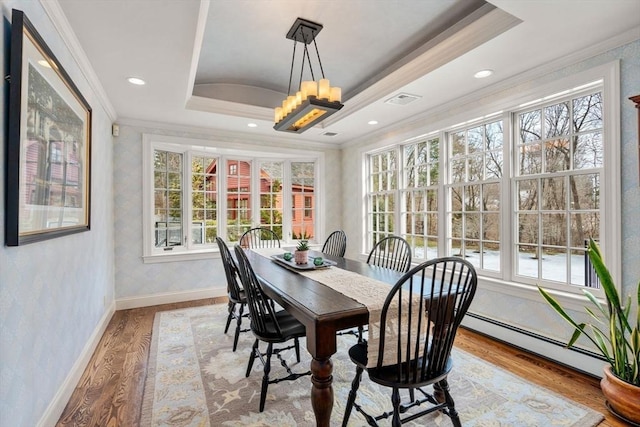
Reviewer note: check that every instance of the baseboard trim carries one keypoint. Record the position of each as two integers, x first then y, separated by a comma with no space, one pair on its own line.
168,298
59,402
578,359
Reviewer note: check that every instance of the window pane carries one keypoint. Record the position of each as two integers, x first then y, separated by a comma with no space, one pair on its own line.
475,171
528,228
554,264
556,120
587,112
589,151
493,136
493,164
528,194
554,229
472,226
585,191
530,159
472,198
458,170
491,256
557,155
271,196
167,213
303,197
491,197
530,126
491,227
584,226
203,199
527,261
553,194
238,198
457,144
475,139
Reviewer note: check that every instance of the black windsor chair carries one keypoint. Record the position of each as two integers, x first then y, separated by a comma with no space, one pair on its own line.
268,325
391,252
443,289
235,293
336,244
259,237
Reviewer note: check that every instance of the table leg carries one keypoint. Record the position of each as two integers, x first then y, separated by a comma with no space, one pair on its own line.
321,390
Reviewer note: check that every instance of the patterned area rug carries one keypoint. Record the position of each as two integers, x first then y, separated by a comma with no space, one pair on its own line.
194,379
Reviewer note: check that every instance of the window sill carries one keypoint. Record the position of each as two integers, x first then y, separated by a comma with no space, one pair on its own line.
181,256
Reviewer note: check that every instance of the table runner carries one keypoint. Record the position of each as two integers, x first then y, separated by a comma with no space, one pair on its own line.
371,293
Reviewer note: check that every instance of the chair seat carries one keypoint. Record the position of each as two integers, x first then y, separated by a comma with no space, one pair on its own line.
388,375
242,297
290,327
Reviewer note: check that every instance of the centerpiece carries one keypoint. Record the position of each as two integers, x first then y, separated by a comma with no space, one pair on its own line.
301,254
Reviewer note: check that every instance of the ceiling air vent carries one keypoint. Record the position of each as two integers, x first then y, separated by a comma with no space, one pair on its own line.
402,99
329,134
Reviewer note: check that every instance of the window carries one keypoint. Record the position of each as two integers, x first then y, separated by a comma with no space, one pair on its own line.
381,196
419,213
560,155
303,184
517,193
190,203
473,214
271,191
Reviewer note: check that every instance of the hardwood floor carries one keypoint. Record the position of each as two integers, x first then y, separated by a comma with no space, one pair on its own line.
110,390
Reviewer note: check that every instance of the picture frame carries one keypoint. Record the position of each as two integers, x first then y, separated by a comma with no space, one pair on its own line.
48,143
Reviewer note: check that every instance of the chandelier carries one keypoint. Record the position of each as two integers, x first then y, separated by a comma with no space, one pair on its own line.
314,100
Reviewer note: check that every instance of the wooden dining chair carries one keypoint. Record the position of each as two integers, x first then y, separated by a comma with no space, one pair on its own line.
259,237
391,252
236,295
336,244
413,351
268,325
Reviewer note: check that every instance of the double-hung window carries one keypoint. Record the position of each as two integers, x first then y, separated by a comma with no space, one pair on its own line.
194,193
560,157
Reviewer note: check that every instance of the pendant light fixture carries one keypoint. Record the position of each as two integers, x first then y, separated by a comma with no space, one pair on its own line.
313,101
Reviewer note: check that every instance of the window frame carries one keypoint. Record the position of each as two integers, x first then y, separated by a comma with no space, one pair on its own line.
243,152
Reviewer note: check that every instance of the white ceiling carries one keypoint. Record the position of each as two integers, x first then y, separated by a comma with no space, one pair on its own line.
221,64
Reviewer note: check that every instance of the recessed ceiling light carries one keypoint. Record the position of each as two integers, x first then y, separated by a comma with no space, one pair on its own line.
252,125
372,122
482,74
136,81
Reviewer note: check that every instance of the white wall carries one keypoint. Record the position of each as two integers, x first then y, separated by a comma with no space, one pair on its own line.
139,284
524,308
55,294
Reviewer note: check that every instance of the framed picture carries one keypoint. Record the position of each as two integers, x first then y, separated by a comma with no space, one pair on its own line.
49,143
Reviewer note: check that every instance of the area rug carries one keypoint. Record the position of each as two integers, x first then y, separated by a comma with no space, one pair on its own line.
195,379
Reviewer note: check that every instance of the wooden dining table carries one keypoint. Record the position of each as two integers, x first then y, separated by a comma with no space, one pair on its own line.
323,311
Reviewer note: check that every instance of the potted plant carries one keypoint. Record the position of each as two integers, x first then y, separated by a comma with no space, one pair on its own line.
615,334
301,254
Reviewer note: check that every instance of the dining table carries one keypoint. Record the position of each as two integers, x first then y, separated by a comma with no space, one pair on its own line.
323,310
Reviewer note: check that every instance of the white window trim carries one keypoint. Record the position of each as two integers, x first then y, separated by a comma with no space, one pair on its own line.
222,150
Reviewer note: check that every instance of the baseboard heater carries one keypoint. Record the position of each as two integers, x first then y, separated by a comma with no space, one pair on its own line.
594,370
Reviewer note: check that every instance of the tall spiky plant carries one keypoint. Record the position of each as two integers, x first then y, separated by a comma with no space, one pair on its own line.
612,331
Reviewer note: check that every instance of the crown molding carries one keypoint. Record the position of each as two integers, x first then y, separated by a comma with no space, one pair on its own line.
189,131
61,24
